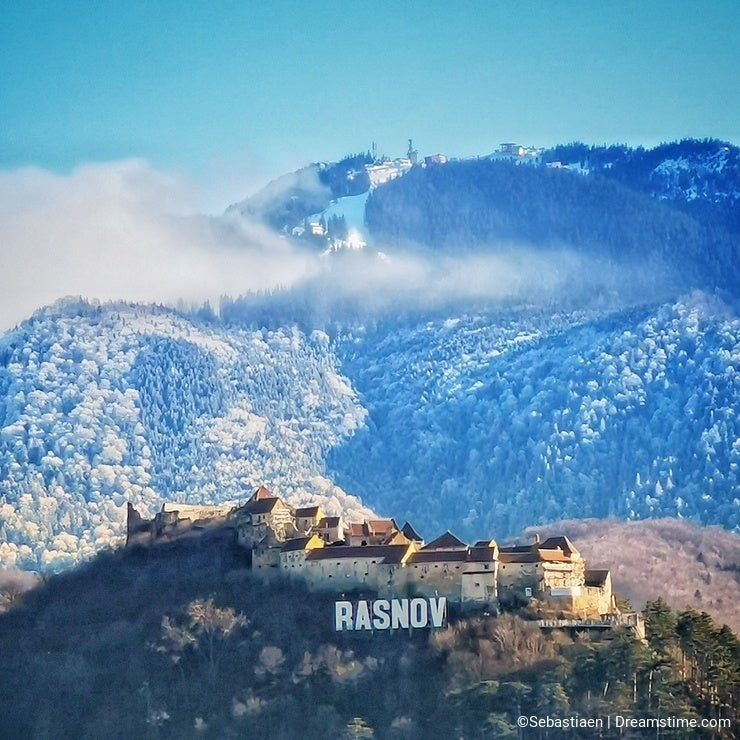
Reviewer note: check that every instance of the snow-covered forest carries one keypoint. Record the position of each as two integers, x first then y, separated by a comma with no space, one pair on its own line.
104,405
554,344
487,425
483,423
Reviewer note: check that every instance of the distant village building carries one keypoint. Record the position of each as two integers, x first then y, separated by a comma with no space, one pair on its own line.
330,529
516,152
307,517
435,159
387,170
412,154
371,532
376,556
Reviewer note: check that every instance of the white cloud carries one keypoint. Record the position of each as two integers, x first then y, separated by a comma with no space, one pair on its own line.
119,231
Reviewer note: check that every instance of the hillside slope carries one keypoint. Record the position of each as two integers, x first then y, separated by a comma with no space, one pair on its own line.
483,423
700,177
104,405
690,567
486,206
486,424
185,643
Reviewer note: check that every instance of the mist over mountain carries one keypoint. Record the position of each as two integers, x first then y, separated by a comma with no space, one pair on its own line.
493,206
516,344
286,201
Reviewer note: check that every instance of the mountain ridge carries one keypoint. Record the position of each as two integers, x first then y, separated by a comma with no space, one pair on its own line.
479,394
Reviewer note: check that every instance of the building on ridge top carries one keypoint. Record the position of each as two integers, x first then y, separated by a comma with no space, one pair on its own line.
375,555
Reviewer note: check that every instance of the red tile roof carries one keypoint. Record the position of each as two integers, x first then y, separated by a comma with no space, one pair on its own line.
380,526
261,493
553,556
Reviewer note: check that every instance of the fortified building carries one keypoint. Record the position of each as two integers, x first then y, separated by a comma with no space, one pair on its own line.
377,556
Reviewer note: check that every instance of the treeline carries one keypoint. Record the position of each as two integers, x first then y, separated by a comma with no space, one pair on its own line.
348,176
699,176
492,205
185,643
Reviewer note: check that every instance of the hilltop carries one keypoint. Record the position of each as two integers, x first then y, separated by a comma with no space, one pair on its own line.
493,206
181,641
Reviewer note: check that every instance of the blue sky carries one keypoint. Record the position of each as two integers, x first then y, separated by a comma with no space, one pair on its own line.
229,94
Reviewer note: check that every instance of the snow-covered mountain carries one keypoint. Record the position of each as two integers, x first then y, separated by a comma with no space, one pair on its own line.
689,170
483,423
104,405
487,424
582,363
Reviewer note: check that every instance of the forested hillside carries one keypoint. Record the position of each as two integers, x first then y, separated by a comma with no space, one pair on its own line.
184,643
493,206
486,424
483,423
700,177
104,405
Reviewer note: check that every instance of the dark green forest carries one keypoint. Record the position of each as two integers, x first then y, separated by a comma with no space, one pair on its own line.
184,642
492,206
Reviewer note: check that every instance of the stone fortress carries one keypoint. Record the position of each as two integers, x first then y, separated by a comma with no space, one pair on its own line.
376,556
